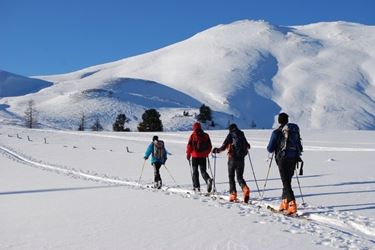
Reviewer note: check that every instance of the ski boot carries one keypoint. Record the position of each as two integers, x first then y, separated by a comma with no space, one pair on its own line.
246,193
233,197
292,207
209,185
283,205
158,184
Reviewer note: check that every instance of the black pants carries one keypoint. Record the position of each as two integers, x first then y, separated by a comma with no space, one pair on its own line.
236,167
157,166
199,162
286,169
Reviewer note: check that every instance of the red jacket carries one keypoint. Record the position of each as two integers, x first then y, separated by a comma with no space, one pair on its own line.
199,139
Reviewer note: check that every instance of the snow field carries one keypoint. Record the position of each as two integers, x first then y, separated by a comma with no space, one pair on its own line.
88,196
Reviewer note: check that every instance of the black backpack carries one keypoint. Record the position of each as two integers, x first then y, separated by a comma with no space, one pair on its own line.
290,139
239,144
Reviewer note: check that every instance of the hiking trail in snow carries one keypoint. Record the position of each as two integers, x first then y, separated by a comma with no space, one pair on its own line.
327,226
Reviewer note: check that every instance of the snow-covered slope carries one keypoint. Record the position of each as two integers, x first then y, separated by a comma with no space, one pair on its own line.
12,85
321,74
79,190
16,85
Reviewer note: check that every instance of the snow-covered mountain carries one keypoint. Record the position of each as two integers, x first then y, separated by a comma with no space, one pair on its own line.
321,74
12,85
16,85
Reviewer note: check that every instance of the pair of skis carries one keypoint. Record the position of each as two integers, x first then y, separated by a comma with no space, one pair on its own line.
224,199
298,214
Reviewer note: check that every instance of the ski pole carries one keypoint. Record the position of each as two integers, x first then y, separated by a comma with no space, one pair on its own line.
213,177
191,170
209,166
171,176
215,170
139,181
268,172
299,186
252,168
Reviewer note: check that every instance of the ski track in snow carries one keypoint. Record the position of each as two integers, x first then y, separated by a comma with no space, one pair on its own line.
328,227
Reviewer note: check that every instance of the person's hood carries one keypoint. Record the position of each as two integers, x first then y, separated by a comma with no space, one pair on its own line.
197,127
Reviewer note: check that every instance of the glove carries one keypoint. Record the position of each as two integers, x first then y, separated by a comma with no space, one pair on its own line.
216,151
145,157
188,157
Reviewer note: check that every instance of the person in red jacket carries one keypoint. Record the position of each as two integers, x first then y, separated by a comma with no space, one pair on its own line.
198,148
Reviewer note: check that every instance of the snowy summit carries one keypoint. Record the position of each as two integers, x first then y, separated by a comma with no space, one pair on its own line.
321,74
64,189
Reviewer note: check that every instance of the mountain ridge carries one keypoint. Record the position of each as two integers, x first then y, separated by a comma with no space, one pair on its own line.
246,71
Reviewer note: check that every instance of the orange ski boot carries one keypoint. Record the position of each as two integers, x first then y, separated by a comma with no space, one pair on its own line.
233,197
283,205
246,193
292,207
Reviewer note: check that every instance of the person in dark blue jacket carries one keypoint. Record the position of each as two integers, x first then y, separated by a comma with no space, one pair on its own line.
158,157
286,157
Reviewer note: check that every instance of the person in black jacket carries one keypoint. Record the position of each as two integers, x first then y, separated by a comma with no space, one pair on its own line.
287,157
237,147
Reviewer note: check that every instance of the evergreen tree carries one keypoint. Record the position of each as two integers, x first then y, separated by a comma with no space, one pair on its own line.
82,124
120,123
151,121
97,126
30,115
204,114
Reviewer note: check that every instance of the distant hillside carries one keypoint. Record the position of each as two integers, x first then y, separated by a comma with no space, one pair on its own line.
247,71
16,85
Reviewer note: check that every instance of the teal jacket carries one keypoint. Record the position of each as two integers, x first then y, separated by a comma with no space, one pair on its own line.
150,150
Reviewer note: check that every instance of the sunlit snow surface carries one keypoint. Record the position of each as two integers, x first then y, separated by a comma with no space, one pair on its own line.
80,190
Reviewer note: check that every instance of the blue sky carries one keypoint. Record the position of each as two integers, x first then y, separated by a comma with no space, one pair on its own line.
42,37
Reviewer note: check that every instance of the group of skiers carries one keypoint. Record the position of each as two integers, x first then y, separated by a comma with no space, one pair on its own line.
285,145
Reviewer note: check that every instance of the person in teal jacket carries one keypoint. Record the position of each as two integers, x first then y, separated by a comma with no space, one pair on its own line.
158,157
